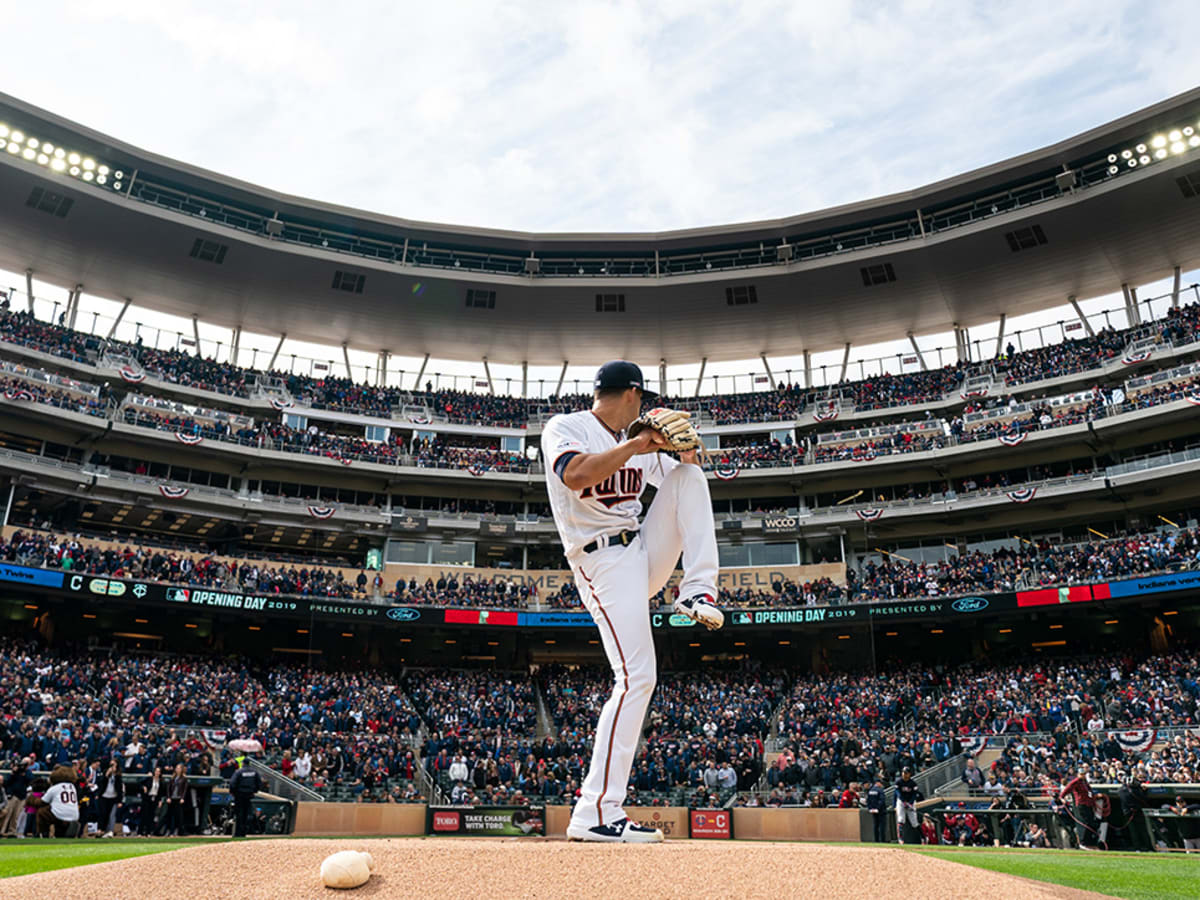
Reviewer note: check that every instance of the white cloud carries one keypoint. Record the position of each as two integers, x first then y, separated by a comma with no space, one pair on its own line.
597,116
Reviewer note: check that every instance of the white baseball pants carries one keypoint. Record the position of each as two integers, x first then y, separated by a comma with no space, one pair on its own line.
615,584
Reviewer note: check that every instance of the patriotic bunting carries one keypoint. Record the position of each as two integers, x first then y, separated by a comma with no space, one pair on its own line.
171,492
346,460
974,392
1132,359
477,471
1195,401
132,375
727,471
1138,741
825,412
281,404
869,515
321,512
1022,495
190,439
420,420
973,744
864,457
1012,440
19,394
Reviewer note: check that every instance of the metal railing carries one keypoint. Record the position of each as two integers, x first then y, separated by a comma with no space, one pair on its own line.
282,786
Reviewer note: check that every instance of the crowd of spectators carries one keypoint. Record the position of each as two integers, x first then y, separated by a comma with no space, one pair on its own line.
482,735
138,562
37,392
905,389
1032,565
351,733
703,738
278,436
887,577
786,401
883,445
1067,358
363,735
759,455
846,730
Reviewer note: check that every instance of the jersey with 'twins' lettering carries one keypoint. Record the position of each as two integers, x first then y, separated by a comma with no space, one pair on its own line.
609,507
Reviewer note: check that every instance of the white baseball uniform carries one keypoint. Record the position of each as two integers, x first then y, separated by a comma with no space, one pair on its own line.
617,581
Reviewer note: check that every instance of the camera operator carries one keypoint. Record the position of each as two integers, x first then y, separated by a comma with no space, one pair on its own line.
16,786
110,793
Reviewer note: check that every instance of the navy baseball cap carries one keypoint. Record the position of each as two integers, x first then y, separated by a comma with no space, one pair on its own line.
622,374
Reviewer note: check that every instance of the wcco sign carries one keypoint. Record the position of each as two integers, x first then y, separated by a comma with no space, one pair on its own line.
781,524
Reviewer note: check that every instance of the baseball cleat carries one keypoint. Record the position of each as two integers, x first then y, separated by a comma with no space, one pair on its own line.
625,831
701,608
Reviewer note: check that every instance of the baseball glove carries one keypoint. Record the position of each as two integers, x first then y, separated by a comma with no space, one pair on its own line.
673,424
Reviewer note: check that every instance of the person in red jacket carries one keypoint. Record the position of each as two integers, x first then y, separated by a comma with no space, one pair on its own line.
849,798
1081,808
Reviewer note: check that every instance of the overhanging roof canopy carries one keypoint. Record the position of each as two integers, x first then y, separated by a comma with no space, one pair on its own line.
915,262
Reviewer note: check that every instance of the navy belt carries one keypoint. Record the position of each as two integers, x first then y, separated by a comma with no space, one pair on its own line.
624,538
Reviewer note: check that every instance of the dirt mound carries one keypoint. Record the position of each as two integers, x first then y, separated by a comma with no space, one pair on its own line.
500,867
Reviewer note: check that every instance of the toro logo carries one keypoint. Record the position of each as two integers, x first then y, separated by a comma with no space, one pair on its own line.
445,821
969,604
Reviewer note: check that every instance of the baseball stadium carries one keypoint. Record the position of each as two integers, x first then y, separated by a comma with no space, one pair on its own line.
316,540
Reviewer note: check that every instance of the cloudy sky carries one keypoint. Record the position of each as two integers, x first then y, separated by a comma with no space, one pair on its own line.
595,116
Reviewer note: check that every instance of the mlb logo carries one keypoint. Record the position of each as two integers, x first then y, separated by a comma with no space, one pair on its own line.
741,618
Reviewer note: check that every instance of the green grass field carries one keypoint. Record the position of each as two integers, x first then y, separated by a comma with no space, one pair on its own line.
1144,876
27,857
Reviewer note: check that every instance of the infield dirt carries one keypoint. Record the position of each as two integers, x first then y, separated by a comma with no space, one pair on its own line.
552,869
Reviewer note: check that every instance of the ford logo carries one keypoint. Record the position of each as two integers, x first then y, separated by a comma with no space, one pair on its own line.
680,621
969,604
403,614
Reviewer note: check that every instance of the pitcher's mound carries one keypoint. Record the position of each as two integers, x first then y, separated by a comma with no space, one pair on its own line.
509,868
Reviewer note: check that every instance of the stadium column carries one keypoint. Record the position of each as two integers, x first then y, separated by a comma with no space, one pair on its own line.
278,347
196,333
845,363
961,343
766,365
1132,316
488,372
235,344
1087,326
700,377
917,350
117,320
421,372
1000,333
346,360
807,370
1175,290
524,379
29,288
561,376
662,377
73,305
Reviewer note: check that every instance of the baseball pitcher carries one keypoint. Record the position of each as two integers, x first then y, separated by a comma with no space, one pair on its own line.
598,463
